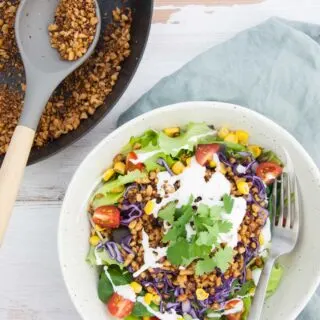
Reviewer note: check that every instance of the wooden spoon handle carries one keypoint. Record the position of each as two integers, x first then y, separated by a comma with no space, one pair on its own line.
11,172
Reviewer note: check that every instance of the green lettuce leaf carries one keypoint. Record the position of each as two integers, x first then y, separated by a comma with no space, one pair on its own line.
275,278
269,156
107,199
247,305
120,181
187,140
139,310
91,258
148,138
105,289
151,163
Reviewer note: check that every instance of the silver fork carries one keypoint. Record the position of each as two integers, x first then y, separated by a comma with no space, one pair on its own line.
285,231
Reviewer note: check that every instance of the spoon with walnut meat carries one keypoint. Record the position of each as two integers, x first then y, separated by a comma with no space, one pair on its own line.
45,69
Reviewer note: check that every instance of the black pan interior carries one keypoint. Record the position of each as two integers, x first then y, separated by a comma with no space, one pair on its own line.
142,15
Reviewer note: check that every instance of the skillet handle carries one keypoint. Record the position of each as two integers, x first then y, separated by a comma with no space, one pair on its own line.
11,172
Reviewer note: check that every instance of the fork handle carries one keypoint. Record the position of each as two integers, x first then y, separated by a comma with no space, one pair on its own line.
260,293
11,172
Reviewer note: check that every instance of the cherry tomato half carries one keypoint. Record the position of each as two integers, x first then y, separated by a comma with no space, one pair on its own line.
205,152
268,171
230,305
119,307
107,217
131,164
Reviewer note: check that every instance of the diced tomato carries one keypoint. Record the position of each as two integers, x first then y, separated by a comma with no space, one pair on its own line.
107,217
205,152
234,316
120,307
131,166
268,171
230,305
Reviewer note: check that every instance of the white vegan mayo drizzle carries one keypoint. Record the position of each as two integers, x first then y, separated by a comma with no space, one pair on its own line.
151,255
192,182
124,291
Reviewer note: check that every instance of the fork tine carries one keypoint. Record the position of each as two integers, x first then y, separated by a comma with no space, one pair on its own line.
274,202
296,205
281,202
289,214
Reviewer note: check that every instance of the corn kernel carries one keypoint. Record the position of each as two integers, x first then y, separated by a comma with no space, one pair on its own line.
223,132
223,169
172,132
98,228
231,137
255,150
201,294
149,207
118,189
136,286
243,187
94,240
156,299
119,167
243,136
108,174
146,318
212,164
148,298
188,161
178,167
261,239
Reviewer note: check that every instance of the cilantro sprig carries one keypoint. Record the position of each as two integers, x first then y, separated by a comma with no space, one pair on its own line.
208,223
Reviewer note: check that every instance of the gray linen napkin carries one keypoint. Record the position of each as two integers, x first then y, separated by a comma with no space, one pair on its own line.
273,68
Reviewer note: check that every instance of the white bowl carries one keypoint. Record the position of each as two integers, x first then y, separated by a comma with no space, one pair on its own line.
302,267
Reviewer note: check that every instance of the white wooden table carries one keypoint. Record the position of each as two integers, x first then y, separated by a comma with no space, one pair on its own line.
31,285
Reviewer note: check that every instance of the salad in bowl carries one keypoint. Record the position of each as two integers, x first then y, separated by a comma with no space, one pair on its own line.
180,224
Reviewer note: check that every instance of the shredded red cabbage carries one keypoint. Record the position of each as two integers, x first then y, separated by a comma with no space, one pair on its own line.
113,251
129,212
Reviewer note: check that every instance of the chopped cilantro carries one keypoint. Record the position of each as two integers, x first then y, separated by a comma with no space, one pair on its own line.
167,213
228,203
178,251
178,228
221,260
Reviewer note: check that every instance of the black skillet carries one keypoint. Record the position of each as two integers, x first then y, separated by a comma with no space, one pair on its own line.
142,16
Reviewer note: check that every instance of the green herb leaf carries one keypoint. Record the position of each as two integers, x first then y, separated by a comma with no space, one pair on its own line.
228,203
167,213
187,140
224,226
203,210
139,310
178,228
120,181
177,251
205,266
223,258
215,212
105,289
